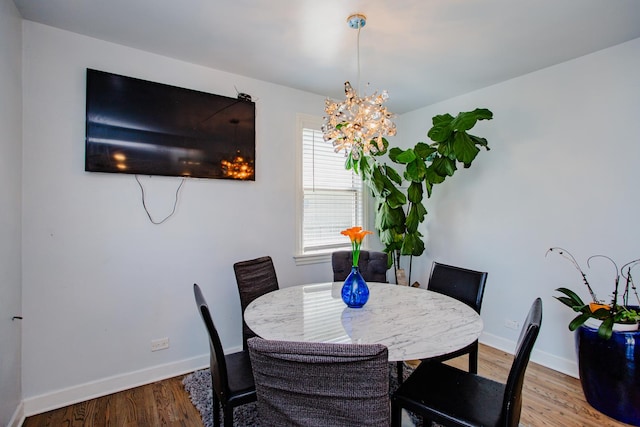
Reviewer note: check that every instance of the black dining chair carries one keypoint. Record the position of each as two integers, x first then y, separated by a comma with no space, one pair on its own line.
372,265
231,375
321,384
254,278
466,286
453,397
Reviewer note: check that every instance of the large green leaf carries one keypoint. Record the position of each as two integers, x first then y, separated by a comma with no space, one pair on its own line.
396,198
464,148
416,170
415,217
382,220
444,166
464,121
601,313
386,237
480,141
377,182
441,128
407,156
349,162
483,114
442,119
413,220
569,303
429,186
394,153
414,192
393,175
606,328
579,320
412,245
423,150
575,299
391,240
366,167
389,217
445,148
433,177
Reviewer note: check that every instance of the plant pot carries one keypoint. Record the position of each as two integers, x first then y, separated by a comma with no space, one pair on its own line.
609,372
620,327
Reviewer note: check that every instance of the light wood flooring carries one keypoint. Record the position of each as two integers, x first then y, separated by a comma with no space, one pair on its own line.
549,399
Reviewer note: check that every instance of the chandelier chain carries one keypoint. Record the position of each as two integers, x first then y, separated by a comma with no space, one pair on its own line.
358,55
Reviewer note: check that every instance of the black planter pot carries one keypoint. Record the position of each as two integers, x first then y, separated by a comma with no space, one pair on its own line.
610,372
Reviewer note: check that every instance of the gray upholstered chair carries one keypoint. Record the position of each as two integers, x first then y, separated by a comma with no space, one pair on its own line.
320,384
255,277
373,265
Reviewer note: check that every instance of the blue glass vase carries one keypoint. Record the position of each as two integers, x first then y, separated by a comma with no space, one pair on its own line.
355,292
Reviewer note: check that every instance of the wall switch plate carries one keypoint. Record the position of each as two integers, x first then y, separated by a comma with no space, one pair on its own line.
511,324
159,344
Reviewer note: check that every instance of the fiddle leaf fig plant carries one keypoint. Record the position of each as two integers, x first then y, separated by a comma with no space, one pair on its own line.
399,213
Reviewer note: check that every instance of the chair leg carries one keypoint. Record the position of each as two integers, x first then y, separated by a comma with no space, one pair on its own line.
473,359
216,411
396,415
228,416
400,366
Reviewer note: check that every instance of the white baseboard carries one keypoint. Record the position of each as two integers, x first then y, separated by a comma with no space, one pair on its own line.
18,417
91,390
102,387
566,366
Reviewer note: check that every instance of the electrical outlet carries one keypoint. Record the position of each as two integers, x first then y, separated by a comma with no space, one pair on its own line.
511,324
159,344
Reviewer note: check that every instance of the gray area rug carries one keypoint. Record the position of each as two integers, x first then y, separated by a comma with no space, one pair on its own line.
198,385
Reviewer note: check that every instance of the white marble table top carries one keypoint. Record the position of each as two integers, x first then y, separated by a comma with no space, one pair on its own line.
413,323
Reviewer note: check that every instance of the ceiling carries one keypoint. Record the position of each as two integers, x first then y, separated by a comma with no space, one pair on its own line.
421,51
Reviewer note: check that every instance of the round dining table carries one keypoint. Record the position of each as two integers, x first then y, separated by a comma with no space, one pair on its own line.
413,323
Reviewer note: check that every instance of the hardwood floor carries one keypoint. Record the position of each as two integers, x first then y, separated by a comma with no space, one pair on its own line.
164,403
549,399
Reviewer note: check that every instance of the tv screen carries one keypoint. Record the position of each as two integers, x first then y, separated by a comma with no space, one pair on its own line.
140,127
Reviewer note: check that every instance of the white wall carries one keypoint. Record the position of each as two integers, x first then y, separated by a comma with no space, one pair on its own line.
99,280
10,195
562,171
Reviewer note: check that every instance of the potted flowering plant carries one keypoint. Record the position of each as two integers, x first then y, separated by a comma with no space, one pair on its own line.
607,357
617,311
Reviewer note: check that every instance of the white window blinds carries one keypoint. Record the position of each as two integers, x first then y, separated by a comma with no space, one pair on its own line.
332,195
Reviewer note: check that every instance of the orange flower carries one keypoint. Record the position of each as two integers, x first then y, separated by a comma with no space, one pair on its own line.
356,235
593,306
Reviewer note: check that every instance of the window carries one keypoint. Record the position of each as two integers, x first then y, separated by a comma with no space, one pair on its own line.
331,197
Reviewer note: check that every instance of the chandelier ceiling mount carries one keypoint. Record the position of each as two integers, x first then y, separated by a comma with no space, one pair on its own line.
357,20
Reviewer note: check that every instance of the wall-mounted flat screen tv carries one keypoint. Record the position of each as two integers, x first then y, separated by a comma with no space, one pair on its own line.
140,127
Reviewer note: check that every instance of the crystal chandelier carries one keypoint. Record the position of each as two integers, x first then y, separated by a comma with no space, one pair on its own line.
357,125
